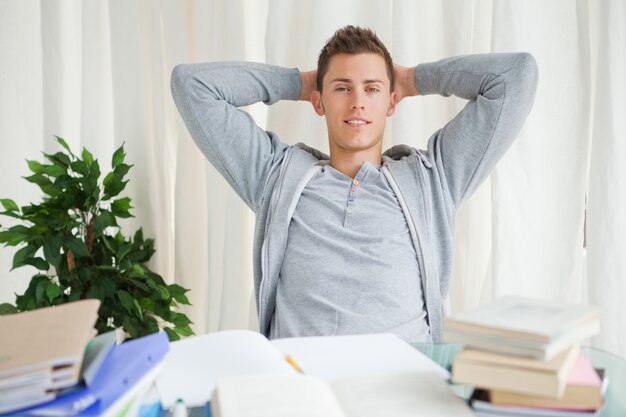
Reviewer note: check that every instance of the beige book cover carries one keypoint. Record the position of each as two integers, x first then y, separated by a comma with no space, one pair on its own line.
46,339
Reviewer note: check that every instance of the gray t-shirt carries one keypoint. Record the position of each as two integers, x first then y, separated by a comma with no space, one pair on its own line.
350,266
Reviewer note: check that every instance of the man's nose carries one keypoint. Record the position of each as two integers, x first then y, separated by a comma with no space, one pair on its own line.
358,100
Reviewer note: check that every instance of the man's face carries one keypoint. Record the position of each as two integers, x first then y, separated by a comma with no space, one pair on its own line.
356,101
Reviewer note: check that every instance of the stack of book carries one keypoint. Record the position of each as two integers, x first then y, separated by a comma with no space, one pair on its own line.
42,351
524,359
52,365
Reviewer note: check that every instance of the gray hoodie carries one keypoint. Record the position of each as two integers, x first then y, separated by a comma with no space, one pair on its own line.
429,184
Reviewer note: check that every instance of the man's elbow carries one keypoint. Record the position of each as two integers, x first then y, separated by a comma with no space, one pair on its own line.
527,68
180,75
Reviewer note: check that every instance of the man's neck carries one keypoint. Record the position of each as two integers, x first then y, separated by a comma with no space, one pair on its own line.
350,162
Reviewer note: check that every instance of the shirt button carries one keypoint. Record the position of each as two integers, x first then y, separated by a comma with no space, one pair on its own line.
348,210
355,182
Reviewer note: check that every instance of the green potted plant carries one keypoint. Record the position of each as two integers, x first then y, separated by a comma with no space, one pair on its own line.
72,237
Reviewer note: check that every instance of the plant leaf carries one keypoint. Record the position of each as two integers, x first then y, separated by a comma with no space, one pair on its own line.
38,263
35,166
138,309
12,239
40,290
87,157
137,271
122,170
74,295
184,331
22,255
104,220
120,207
122,203
52,251
79,167
59,159
9,204
163,292
123,251
173,336
118,157
6,308
54,170
138,236
38,179
178,293
180,320
96,291
107,268
113,185
13,214
51,170
64,144
52,291
77,246
108,285
126,299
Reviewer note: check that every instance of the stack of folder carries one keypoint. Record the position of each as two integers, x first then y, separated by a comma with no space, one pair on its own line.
53,365
524,358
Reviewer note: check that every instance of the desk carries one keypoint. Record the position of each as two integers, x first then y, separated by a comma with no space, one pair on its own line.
615,369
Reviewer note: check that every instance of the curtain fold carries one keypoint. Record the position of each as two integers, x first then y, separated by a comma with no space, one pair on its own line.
21,121
538,188
606,208
97,73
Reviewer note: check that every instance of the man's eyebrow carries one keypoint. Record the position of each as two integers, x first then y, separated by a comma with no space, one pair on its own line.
349,81
341,80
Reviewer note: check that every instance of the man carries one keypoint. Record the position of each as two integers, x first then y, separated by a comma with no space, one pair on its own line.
358,241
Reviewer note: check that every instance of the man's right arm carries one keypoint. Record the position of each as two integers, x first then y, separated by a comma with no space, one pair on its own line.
208,95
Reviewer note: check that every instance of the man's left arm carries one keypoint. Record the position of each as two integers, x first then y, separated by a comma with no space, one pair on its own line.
500,88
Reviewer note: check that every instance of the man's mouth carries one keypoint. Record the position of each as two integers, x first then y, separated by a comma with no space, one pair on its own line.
356,122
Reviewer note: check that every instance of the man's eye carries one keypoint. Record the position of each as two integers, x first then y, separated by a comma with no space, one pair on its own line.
341,89
373,90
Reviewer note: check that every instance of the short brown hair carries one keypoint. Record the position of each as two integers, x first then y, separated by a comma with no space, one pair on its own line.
352,40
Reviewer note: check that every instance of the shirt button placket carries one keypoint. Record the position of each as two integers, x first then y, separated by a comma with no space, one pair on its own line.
351,198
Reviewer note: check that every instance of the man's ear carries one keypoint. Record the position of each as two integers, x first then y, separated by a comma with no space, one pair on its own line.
316,101
392,103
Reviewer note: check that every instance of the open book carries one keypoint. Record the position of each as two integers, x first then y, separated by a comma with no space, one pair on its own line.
388,394
195,365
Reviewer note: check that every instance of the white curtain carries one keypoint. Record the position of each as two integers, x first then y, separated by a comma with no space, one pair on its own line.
97,73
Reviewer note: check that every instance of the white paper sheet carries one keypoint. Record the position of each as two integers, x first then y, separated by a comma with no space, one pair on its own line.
333,357
193,366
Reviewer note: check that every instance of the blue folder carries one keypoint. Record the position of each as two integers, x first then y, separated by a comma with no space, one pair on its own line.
125,365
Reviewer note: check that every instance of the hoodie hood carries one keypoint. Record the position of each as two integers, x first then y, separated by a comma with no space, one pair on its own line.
398,152
395,153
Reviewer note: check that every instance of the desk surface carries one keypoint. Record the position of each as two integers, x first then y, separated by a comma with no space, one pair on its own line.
614,366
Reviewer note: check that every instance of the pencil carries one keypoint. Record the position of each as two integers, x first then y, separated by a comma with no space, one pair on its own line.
293,363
